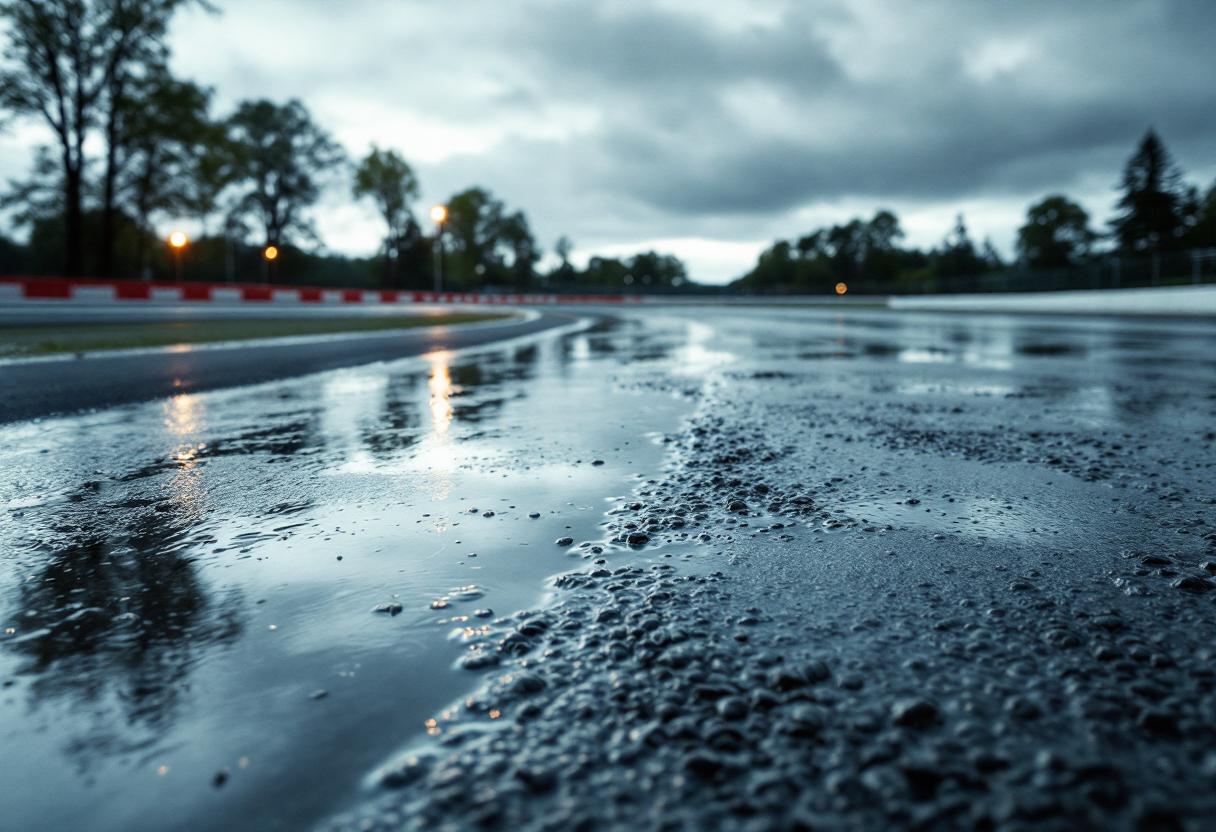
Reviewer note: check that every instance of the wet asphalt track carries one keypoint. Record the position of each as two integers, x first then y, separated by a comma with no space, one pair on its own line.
817,571
64,384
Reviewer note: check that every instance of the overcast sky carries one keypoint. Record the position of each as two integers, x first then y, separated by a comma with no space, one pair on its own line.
707,128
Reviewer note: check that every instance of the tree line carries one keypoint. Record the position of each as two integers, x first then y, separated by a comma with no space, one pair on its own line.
1158,213
134,146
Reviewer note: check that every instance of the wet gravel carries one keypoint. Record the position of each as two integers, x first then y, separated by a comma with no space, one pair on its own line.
987,608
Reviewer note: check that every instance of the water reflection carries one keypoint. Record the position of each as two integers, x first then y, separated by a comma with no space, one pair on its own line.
627,340
290,437
441,389
396,411
115,619
400,421
122,602
184,415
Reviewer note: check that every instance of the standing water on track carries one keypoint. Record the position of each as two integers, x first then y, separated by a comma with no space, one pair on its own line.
221,610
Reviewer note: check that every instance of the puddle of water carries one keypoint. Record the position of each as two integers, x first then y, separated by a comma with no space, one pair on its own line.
188,595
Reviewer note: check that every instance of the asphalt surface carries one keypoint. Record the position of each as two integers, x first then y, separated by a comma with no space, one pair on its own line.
31,389
54,313
675,569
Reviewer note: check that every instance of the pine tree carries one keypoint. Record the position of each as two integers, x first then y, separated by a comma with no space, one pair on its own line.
1156,207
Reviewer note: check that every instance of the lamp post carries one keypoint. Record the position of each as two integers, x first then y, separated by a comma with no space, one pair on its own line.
178,241
269,255
439,215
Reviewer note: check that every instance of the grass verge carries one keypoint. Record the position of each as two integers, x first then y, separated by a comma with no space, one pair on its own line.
18,341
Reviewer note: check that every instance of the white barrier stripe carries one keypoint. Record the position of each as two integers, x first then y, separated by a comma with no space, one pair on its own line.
51,289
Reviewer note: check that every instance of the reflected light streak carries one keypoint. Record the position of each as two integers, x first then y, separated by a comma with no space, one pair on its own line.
695,357
184,419
183,414
441,393
441,454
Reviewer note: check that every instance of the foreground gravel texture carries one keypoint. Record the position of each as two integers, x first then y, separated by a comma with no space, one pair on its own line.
946,586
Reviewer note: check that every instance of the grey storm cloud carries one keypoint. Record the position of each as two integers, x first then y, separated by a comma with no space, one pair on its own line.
1093,79
622,121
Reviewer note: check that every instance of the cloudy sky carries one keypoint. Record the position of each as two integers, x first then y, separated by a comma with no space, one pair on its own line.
707,129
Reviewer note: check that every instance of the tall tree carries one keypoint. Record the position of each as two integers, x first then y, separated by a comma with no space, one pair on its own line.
1156,207
524,251
1203,233
389,181
489,245
280,155
169,147
69,62
40,198
883,258
653,269
957,256
134,51
1056,234
562,248
56,72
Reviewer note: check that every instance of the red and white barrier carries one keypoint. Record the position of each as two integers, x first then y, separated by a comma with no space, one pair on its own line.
99,291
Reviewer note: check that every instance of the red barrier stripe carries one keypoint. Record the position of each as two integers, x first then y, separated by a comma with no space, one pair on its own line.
130,290
54,288
47,289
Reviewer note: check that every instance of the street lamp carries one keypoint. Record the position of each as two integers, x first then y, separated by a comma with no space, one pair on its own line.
269,255
178,241
439,215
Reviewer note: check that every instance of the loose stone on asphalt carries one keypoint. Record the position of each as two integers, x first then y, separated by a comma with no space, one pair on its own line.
1039,655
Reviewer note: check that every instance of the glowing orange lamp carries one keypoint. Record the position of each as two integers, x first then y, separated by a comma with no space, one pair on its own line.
178,241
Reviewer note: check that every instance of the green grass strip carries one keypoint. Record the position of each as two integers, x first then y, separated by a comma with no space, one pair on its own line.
17,341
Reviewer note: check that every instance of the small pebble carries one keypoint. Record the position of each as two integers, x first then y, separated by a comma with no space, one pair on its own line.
913,713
